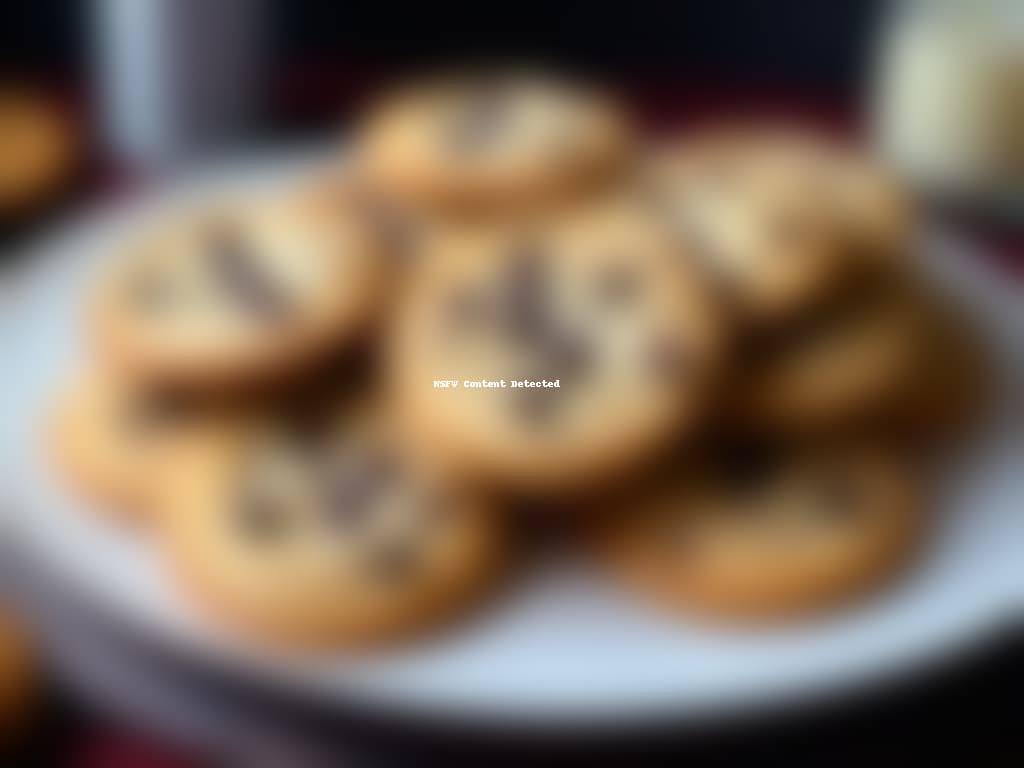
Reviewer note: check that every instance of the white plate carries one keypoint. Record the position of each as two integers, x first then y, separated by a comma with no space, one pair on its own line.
561,645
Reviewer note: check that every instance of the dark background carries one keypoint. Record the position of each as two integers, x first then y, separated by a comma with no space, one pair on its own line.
799,45
809,41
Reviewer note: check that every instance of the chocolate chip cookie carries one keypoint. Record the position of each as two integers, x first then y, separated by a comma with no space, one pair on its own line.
777,218
108,439
543,357
493,139
760,532
846,361
950,388
246,291
316,528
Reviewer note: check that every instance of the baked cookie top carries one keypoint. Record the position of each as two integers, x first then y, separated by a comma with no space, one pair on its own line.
494,139
593,305
754,531
315,527
241,291
776,217
109,438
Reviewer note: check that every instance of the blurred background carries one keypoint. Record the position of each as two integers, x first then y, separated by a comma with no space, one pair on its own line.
142,87
100,99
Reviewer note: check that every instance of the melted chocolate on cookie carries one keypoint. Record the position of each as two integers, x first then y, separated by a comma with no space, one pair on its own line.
479,119
238,276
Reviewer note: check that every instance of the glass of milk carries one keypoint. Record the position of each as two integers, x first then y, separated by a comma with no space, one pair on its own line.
177,80
948,94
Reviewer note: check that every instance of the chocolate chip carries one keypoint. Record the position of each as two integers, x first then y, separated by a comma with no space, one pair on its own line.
307,428
149,413
394,561
351,488
617,286
346,505
677,542
259,518
840,498
569,355
463,308
392,228
746,466
525,315
817,328
238,275
434,508
666,358
479,118
535,407
524,300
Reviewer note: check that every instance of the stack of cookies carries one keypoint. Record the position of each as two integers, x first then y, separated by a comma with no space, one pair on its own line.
711,354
